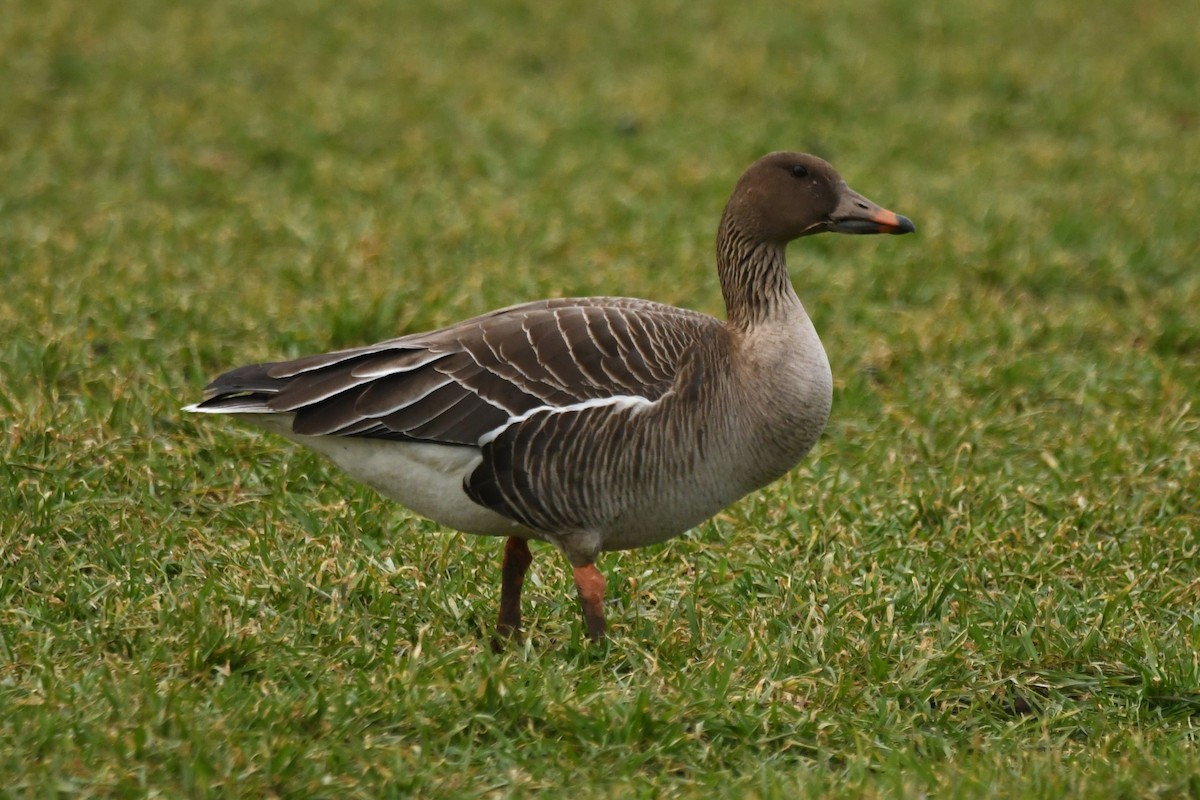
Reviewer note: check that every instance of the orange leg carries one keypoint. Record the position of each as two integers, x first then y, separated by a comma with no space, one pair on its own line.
590,584
516,562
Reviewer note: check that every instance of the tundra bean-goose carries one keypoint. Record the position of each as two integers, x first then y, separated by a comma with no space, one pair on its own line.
594,424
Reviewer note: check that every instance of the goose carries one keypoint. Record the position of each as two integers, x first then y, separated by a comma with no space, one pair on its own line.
596,423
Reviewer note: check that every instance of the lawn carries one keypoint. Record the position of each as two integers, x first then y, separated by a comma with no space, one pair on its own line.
984,582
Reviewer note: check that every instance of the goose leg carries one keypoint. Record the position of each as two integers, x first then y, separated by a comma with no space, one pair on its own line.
590,584
516,562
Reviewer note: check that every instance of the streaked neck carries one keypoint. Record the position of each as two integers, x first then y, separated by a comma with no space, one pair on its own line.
754,278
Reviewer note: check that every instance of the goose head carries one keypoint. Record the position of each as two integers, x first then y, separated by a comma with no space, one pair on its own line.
784,196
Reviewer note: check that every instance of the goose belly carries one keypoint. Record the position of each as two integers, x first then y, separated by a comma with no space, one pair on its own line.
680,499
424,477
698,475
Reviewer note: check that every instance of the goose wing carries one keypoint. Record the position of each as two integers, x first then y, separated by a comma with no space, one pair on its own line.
467,382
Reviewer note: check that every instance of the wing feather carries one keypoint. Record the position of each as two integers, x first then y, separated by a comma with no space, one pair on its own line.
457,384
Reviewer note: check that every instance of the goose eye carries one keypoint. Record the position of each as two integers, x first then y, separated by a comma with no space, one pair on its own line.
798,171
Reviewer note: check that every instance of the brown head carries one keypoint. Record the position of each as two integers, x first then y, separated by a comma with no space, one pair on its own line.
784,196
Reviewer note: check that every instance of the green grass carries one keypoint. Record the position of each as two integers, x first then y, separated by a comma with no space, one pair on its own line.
985,582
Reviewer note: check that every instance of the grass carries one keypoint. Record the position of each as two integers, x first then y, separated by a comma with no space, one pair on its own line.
985,582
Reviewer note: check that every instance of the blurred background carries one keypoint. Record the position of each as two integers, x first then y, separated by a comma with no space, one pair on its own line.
185,187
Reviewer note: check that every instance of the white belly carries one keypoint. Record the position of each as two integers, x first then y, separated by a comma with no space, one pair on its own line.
427,478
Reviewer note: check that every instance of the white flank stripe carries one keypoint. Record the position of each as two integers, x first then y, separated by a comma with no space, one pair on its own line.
620,401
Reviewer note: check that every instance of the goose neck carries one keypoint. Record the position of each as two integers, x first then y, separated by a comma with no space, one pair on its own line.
754,278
